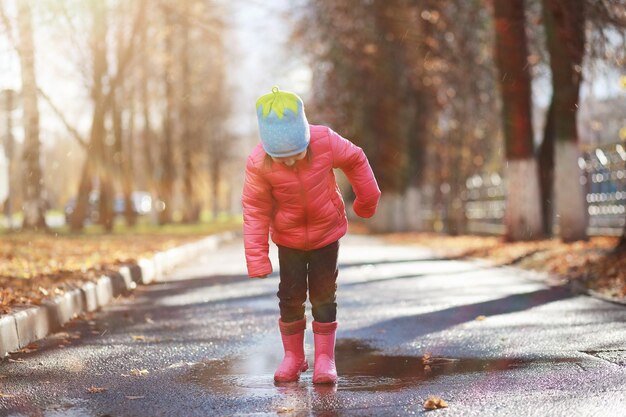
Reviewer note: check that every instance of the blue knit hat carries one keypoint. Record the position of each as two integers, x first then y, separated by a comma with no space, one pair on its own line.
283,126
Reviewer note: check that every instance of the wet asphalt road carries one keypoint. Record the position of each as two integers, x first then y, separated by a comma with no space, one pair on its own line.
206,344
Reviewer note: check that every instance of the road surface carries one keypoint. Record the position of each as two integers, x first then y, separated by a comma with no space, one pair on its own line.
497,341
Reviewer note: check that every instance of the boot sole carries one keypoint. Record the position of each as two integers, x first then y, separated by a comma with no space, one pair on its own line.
325,379
295,378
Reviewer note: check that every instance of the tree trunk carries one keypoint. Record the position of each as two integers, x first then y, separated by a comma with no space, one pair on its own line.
106,214
147,136
81,205
523,213
564,22
546,172
130,214
122,156
108,168
191,213
216,169
167,160
123,98
34,205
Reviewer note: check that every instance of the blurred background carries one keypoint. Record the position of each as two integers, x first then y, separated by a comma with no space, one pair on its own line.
503,117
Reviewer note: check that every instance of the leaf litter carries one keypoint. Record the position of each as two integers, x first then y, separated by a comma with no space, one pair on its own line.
35,267
596,263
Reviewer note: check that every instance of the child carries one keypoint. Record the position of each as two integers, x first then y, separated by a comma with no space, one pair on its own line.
290,191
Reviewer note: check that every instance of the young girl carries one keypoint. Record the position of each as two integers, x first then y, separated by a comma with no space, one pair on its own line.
290,191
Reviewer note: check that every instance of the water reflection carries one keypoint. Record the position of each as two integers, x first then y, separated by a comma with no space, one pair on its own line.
360,368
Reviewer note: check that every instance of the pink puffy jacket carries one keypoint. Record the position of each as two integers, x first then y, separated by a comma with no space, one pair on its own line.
301,205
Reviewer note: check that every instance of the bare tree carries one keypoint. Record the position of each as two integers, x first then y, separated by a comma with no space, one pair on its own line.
565,31
34,205
166,169
191,209
523,214
97,162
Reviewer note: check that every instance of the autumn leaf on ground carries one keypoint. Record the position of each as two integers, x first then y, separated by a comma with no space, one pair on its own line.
139,372
426,359
432,403
135,397
6,395
30,348
34,267
281,410
593,263
95,390
480,318
139,338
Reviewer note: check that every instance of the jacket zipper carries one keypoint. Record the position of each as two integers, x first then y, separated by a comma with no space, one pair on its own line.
306,205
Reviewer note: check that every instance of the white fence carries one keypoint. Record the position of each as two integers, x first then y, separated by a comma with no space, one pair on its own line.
603,176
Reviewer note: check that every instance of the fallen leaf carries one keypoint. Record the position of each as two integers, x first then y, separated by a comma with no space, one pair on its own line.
281,410
426,358
6,395
138,338
135,397
433,403
139,372
480,318
26,350
95,390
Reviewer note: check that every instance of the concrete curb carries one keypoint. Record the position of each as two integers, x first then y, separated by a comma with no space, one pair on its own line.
28,324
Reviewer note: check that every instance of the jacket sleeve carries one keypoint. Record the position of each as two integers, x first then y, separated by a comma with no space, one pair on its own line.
352,161
257,212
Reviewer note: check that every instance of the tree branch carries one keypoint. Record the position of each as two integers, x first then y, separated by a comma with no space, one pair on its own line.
125,57
9,28
82,142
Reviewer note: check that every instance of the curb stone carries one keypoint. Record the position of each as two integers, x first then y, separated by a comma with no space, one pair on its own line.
28,324
8,333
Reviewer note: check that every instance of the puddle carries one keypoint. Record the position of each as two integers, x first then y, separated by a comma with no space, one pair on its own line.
360,368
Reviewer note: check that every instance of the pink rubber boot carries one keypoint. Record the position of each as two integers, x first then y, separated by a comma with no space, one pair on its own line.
294,361
324,371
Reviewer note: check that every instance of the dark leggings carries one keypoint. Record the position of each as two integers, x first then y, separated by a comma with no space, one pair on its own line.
320,267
